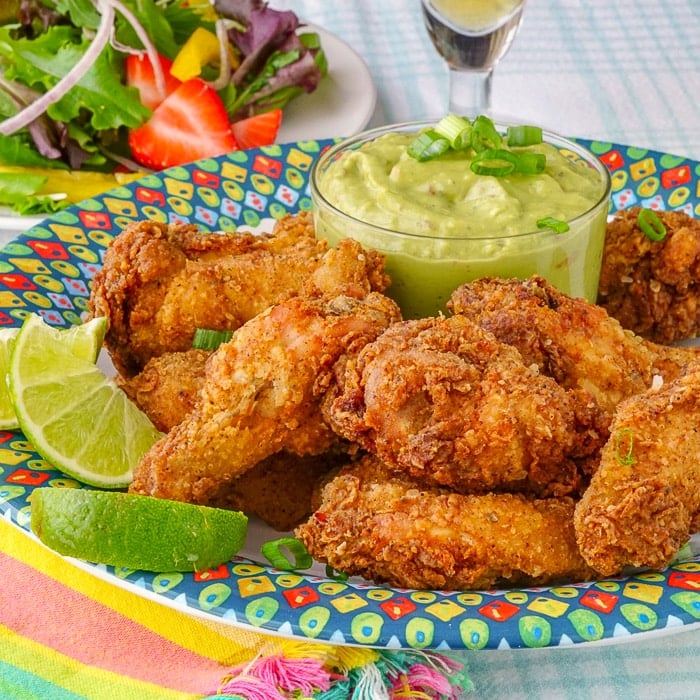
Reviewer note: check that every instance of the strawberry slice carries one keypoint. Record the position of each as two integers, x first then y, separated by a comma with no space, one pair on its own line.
258,130
140,74
191,123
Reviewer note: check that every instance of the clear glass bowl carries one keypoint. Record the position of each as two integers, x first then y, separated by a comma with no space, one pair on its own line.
426,268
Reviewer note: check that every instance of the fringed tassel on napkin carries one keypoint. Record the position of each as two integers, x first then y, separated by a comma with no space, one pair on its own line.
342,673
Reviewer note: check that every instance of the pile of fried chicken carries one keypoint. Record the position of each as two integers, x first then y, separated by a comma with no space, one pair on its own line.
524,438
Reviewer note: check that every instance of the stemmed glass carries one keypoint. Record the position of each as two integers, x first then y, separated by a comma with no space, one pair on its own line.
472,36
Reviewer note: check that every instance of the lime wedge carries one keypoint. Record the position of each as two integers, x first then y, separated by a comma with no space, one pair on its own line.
134,531
77,419
84,341
8,420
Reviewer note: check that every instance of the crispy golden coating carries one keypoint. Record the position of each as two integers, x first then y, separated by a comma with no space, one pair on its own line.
261,393
444,400
280,489
653,287
383,526
159,283
577,343
644,501
167,388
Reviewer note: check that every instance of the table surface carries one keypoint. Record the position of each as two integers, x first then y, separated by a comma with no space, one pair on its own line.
628,72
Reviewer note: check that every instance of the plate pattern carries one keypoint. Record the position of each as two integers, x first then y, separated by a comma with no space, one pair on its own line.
48,270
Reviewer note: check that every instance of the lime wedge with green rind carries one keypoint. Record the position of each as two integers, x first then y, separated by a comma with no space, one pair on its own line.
84,341
8,419
134,531
75,416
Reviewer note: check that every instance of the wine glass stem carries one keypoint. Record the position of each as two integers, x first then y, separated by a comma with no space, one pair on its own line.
470,92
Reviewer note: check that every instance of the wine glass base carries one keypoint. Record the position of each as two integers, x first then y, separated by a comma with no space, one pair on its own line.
470,92
472,41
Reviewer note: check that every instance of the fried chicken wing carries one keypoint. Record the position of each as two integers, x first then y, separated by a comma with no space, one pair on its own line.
653,287
277,490
280,489
159,283
167,388
578,344
643,502
261,393
444,400
375,523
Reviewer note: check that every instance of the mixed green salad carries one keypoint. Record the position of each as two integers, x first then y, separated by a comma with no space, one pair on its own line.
93,92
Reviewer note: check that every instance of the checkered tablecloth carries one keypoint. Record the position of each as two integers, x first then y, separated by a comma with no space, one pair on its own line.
628,72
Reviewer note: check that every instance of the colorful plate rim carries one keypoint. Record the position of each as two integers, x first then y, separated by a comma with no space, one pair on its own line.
48,270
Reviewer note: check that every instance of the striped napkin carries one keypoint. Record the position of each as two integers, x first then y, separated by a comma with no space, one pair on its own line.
67,634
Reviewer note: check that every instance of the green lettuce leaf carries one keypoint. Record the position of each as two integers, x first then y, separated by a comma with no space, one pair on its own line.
82,13
19,150
40,63
19,193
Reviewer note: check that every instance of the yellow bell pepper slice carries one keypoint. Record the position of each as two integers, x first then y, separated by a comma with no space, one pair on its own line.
75,185
201,48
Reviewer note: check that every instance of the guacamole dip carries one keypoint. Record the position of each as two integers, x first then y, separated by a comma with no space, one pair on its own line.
441,225
381,184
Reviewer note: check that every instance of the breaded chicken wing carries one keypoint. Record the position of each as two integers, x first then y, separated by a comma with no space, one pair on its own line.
159,283
375,523
261,394
280,489
643,503
167,388
445,401
653,287
577,343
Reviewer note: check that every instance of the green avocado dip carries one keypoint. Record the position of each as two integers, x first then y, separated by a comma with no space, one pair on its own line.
440,224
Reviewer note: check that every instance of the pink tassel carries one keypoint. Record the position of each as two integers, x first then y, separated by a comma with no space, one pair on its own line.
306,675
249,688
266,678
423,682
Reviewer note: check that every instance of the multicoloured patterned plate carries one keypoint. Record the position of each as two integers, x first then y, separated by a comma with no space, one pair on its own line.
48,271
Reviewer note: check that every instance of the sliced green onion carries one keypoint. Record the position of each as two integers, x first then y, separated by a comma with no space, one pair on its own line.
428,145
651,225
685,552
556,225
624,444
210,339
484,134
491,155
494,161
335,575
457,130
530,163
524,135
272,551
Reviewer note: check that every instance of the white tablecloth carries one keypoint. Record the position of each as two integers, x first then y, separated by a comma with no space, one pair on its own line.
626,71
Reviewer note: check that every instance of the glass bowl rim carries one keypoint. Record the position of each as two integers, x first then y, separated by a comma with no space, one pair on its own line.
561,142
